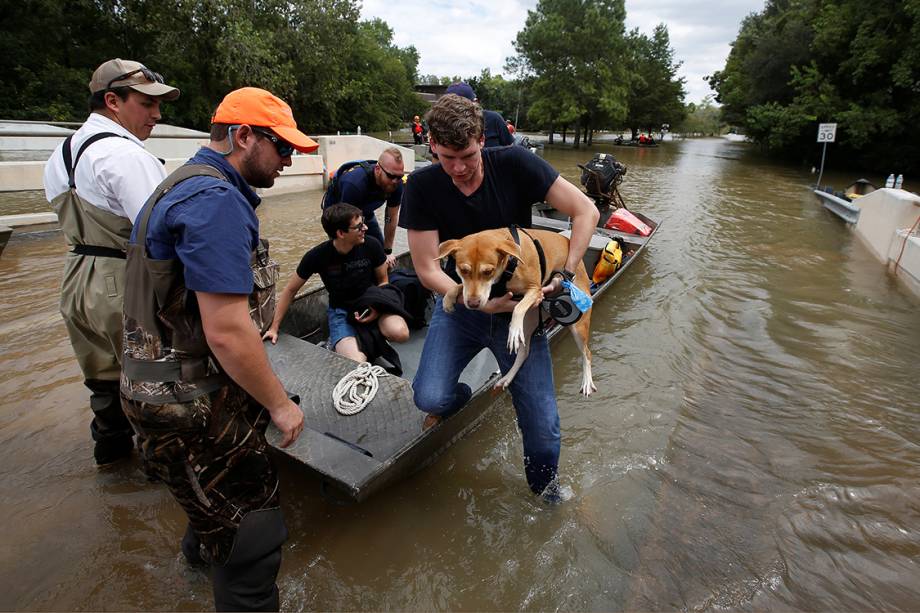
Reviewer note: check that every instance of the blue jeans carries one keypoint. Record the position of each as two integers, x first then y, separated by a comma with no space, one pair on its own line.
453,340
339,327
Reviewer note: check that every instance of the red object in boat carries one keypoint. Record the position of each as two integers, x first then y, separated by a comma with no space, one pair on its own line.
624,221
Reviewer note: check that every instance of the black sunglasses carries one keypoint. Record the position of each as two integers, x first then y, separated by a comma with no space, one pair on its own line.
390,175
284,148
153,77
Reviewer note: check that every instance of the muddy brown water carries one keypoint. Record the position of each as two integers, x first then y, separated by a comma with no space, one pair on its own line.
753,444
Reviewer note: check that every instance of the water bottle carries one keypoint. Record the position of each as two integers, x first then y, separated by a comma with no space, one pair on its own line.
889,182
899,182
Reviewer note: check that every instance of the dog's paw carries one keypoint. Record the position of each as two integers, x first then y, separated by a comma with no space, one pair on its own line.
450,299
502,384
587,386
515,339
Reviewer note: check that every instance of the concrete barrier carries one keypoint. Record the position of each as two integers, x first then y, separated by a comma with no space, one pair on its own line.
885,220
307,172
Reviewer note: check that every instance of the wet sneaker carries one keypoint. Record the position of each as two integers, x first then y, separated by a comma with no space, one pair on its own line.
111,450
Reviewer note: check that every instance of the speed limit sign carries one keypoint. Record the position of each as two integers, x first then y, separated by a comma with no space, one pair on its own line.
827,132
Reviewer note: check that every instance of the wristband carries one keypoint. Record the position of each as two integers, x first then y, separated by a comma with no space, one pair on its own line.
388,251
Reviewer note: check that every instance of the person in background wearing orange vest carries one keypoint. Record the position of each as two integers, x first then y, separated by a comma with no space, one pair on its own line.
510,126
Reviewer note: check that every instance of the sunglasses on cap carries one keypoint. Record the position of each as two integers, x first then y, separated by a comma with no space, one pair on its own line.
391,176
153,77
284,148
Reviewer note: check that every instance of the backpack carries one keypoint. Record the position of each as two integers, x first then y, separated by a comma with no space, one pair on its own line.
333,192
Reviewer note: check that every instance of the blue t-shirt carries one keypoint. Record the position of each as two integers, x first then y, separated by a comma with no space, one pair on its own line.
496,130
210,226
358,187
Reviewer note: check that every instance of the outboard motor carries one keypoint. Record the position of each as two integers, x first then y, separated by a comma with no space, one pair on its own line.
600,177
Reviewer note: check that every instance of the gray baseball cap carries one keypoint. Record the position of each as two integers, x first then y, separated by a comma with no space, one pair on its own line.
127,73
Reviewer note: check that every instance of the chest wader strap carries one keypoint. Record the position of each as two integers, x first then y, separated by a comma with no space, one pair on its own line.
70,165
99,252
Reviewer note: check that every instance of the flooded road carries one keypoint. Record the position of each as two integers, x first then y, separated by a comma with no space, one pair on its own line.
753,444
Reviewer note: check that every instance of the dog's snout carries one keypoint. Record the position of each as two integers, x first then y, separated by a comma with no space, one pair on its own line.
473,303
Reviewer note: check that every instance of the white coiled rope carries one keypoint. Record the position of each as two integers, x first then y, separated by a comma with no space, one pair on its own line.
355,390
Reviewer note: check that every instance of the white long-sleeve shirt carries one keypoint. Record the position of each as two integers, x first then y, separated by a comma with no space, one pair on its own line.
114,174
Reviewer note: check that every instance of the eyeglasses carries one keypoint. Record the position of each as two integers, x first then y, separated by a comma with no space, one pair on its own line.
284,148
153,77
357,227
391,176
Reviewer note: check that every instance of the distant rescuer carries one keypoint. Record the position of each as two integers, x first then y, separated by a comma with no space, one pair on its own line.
469,190
197,384
370,190
97,181
495,128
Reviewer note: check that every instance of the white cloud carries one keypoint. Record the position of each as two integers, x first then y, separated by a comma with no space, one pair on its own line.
463,38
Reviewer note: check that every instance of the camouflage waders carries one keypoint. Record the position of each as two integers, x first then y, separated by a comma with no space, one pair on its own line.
205,436
92,291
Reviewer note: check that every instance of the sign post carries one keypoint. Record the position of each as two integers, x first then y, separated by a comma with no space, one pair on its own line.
826,134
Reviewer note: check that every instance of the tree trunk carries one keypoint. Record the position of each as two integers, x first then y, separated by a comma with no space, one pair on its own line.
577,131
552,132
564,130
635,133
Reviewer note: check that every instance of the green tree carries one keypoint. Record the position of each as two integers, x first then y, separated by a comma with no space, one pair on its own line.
857,64
336,71
656,93
572,49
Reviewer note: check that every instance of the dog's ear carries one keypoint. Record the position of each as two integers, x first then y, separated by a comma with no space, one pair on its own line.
446,248
509,248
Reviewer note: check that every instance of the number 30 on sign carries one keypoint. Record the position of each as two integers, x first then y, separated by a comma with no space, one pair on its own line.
827,132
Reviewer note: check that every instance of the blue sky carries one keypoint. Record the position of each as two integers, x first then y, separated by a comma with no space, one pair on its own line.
462,38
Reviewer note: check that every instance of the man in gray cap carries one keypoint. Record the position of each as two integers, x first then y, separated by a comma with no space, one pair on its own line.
97,181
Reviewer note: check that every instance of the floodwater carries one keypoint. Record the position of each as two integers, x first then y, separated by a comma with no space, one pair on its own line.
753,444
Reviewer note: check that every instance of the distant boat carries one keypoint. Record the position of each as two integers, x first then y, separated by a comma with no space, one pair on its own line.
845,204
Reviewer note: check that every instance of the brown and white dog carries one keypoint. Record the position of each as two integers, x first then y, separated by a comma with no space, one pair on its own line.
481,259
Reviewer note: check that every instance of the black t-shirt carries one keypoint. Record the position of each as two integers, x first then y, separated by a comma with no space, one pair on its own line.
496,130
346,276
514,180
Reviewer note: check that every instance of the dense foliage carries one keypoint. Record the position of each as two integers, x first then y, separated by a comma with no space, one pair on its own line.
656,93
804,62
584,70
336,71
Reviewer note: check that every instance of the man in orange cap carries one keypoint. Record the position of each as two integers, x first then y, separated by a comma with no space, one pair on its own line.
196,382
97,180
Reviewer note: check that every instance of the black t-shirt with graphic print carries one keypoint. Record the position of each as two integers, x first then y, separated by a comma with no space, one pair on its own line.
346,276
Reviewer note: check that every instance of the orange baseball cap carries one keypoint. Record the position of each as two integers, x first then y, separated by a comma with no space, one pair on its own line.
258,107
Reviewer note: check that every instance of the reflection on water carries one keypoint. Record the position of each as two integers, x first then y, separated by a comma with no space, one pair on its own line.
752,445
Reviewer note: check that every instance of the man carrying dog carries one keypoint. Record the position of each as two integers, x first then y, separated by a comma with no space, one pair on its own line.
370,189
469,190
97,181
196,381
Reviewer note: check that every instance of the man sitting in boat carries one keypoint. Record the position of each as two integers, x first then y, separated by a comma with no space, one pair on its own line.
349,263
